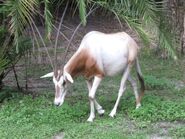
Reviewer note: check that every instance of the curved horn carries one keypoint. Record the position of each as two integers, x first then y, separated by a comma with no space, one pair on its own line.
58,32
48,75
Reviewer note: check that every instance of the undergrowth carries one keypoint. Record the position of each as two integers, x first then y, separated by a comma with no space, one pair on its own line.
22,116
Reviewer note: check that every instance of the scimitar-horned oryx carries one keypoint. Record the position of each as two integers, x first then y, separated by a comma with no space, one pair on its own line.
100,55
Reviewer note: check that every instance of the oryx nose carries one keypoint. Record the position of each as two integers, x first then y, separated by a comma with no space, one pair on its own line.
57,103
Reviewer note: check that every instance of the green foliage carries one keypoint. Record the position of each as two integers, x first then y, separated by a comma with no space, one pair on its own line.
157,109
157,83
39,113
25,117
142,14
8,55
20,114
3,60
137,14
20,13
178,132
7,93
48,18
82,11
166,38
13,43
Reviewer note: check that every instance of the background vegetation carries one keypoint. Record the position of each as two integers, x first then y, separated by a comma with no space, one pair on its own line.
158,24
20,18
162,113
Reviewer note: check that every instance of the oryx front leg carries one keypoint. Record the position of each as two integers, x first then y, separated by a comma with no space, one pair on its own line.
134,86
98,107
92,92
121,90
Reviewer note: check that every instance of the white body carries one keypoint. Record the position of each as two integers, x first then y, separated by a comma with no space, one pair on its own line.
111,51
101,55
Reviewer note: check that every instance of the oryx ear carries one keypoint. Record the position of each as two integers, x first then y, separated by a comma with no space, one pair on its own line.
68,77
48,75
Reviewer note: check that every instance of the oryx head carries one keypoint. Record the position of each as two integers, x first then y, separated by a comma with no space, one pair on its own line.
61,82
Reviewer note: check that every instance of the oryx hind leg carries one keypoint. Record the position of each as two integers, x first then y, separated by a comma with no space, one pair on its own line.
121,89
134,86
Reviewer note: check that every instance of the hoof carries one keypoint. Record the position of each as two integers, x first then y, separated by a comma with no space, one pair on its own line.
138,106
90,119
112,115
101,112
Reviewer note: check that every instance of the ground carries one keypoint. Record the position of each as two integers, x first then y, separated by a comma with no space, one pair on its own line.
33,115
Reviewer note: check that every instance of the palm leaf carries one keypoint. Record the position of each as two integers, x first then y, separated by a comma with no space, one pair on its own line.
82,11
20,13
139,14
48,19
167,39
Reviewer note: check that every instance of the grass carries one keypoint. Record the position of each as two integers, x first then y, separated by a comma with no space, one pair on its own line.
162,113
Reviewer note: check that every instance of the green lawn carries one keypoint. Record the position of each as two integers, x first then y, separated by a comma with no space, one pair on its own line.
162,113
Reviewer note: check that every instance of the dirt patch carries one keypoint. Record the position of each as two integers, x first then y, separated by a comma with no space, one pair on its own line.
59,136
163,129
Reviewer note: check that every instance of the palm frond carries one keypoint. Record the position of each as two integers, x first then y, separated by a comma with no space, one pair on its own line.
139,14
138,28
48,19
82,11
20,13
167,39
8,55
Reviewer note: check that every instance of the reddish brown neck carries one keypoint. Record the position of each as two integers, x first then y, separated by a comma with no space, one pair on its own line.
82,63
76,65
